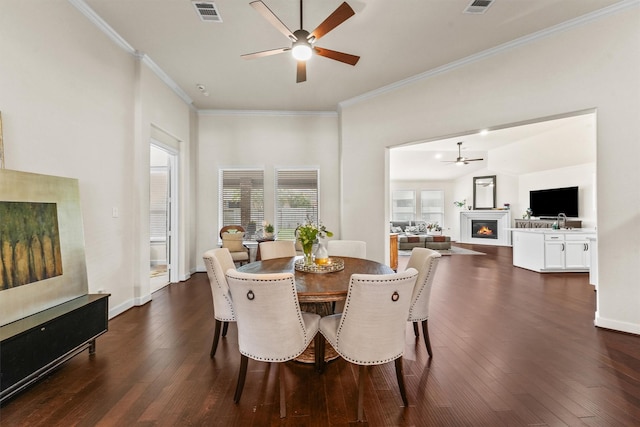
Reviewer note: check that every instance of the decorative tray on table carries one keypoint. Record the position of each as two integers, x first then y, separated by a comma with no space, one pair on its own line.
334,264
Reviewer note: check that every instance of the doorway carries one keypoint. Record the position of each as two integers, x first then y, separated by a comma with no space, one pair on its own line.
162,215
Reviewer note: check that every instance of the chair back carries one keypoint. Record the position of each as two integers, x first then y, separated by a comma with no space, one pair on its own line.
277,249
349,248
426,262
218,261
270,324
372,326
226,228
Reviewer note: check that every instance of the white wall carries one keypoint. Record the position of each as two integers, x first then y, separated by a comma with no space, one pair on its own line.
76,105
595,65
268,141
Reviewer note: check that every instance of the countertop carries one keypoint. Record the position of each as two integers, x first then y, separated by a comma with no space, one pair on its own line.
552,231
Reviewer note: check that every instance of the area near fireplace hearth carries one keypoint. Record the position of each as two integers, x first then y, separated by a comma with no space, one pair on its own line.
486,227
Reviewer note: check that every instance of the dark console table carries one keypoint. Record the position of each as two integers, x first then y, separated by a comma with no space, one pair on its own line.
33,346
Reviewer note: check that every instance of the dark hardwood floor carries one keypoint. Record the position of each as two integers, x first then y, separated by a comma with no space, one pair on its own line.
511,348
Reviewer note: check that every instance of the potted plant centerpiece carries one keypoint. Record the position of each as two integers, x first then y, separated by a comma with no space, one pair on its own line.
308,234
434,228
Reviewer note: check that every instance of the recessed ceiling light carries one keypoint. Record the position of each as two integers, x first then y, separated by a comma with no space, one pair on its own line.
484,132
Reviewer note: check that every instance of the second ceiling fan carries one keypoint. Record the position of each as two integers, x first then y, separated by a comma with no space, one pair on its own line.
302,46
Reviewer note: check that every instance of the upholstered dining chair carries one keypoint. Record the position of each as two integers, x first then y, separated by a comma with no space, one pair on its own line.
426,262
371,330
218,261
232,238
271,327
350,248
277,249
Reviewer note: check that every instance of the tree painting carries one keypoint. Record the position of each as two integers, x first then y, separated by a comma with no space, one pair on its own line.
29,243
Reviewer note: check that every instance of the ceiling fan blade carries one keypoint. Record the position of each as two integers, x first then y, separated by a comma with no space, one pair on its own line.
341,14
265,53
338,56
301,72
272,18
472,160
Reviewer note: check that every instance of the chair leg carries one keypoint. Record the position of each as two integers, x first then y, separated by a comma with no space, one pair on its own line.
225,328
362,379
216,338
242,374
400,376
283,404
415,329
425,332
319,352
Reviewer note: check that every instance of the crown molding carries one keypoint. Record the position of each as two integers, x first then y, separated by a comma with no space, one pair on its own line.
531,38
266,113
103,26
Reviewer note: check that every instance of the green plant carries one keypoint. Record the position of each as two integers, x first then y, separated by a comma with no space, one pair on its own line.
460,204
309,232
434,226
268,228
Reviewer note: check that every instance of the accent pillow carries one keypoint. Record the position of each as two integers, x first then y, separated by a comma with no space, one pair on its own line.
422,227
396,229
233,241
411,229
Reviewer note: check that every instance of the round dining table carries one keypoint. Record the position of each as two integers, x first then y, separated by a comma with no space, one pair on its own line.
317,291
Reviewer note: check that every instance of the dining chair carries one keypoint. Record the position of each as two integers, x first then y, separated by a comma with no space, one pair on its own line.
271,326
277,249
350,248
426,262
218,261
232,238
371,330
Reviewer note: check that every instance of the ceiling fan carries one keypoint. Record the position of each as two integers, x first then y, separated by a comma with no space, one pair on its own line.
302,46
461,160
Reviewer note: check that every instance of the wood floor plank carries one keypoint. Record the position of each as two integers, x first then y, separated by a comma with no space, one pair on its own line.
511,348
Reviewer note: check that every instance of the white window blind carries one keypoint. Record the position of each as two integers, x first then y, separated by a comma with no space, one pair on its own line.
242,199
404,205
297,196
432,206
158,203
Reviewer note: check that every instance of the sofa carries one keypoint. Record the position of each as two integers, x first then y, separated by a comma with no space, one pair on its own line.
413,234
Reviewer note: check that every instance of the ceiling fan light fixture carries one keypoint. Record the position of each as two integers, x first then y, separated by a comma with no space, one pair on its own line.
301,50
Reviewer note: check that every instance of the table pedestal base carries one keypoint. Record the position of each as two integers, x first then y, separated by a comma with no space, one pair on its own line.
308,356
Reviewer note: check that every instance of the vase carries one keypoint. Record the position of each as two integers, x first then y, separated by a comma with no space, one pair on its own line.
307,250
267,235
321,255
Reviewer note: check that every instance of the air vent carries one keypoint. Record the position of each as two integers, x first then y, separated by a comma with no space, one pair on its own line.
478,7
207,11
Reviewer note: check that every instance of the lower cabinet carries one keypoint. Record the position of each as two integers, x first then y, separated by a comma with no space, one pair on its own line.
552,251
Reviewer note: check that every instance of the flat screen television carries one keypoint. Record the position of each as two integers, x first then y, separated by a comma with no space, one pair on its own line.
552,201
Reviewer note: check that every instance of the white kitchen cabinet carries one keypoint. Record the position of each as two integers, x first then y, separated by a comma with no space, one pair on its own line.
544,250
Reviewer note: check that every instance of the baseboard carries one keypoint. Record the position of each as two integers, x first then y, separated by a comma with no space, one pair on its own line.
617,325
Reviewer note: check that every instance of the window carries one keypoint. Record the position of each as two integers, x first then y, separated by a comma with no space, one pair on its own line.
404,205
297,197
242,199
432,206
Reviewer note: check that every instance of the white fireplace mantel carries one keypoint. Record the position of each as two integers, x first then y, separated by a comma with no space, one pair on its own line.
504,224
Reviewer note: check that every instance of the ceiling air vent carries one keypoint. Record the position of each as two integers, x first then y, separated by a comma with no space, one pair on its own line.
207,11
478,7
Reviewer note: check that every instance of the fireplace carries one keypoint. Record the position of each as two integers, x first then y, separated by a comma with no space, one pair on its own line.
484,228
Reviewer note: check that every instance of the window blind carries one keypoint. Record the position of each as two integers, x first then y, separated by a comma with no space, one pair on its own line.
297,196
432,206
158,203
242,199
